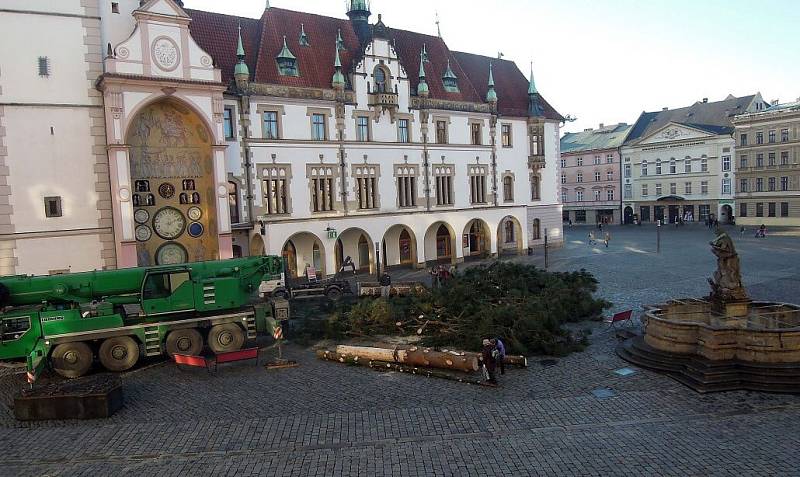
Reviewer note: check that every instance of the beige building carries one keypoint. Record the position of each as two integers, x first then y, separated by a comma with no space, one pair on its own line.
768,155
681,162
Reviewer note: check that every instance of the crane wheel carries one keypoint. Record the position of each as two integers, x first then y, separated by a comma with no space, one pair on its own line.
188,341
225,337
119,353
71,360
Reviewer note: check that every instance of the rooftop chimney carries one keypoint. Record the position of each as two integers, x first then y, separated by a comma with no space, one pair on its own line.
587,130
601,125
664,109
705,100
775,102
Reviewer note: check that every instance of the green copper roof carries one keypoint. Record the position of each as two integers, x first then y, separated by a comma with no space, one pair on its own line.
338,77
532,85
449,73
607,137
422,87
285,53
303,36
359,5
241,67
339,41
491,95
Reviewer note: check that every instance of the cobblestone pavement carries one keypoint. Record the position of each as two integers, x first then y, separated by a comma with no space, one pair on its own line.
325,419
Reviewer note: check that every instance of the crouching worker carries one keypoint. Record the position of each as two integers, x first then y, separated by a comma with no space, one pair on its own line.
489,362
500,354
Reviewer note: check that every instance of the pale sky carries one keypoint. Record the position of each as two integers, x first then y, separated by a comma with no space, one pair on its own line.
606,61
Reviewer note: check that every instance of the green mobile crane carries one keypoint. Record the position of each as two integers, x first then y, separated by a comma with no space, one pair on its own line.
120,315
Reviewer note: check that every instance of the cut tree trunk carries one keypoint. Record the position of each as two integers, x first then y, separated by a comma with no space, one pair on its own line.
511,360
391,366
413,356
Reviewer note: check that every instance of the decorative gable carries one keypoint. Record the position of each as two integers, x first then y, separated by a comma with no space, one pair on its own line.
161,46
674,132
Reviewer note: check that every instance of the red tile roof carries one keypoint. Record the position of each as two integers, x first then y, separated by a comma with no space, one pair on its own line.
263,40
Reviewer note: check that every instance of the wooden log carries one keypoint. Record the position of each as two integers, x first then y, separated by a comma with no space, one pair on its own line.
331,355
511,360
413,356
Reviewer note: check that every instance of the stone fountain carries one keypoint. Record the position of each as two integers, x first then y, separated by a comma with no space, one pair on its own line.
724,341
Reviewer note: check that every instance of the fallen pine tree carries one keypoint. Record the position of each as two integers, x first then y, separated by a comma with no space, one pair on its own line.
525,306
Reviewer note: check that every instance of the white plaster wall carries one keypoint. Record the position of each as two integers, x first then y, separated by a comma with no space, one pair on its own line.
79,253
42,164
116,27
72,7
60,39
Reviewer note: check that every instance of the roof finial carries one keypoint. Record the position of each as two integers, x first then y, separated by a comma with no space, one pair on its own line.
241,72
339,40
267,7
438,28
240,46
532,83
303,36
338,78
491,95
422,87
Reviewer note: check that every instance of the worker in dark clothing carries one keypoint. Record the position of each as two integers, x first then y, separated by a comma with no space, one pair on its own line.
501,354
489,362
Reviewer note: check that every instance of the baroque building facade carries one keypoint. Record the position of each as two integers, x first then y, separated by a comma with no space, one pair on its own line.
678,163
590,174
313,137
768,174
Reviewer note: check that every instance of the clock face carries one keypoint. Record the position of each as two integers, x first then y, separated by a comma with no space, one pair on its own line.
141,216
195,229
171,254
166,190
169,223
143,233
195,213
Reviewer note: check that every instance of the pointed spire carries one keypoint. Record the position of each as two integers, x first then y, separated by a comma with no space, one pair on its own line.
450,80
438,27
303,36
532,83
241,67
339,40
425,53
338,77
422,87
267,7
285,52
491,95
449,73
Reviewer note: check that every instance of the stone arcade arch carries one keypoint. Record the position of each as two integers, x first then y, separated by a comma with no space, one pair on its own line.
477,239
509,236
440,243
303,250
399,246
357,244
174,194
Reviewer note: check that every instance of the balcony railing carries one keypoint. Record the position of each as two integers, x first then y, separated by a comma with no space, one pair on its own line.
385,100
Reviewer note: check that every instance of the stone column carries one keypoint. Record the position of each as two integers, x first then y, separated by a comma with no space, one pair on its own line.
122,207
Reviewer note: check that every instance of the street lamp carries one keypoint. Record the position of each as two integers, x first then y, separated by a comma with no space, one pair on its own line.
658,237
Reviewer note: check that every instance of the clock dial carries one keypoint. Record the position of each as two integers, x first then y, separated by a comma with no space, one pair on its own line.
195,213
166,190
169,223
195,229
141,216
143,233
171,254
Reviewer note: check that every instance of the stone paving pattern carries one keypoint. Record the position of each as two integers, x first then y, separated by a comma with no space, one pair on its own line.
325,419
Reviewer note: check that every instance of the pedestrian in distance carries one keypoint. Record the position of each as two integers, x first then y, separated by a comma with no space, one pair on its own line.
607,239
500,348
591,238
489,362
742,231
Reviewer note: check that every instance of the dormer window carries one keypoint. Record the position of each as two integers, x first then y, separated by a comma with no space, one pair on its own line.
287,62
381,80
450,80
303,36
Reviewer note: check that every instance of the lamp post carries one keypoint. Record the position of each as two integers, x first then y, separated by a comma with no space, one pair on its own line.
546,261
658,237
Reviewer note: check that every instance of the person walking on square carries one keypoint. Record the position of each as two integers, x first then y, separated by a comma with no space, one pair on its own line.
489,362
500,347
591,238
607,239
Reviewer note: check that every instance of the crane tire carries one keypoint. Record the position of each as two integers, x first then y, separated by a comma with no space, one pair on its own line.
226,337
118,353
187,341
72,360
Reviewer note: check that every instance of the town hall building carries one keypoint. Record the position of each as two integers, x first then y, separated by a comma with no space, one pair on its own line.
293,134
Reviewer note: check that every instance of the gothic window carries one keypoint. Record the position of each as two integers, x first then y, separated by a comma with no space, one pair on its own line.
477,184
444,185
233,202
322,193
275,187
536,193
381,80
366,187
406,186
508,189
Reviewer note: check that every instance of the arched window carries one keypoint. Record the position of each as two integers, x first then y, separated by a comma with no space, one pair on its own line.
535,189
381,82
537,229
509,231
233,202
508,189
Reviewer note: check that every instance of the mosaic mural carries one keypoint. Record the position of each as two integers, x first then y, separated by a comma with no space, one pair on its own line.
173,177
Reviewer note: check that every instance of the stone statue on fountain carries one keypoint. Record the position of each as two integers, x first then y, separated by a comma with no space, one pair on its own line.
726,286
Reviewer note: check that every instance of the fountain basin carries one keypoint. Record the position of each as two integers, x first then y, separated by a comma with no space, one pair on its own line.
768,333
